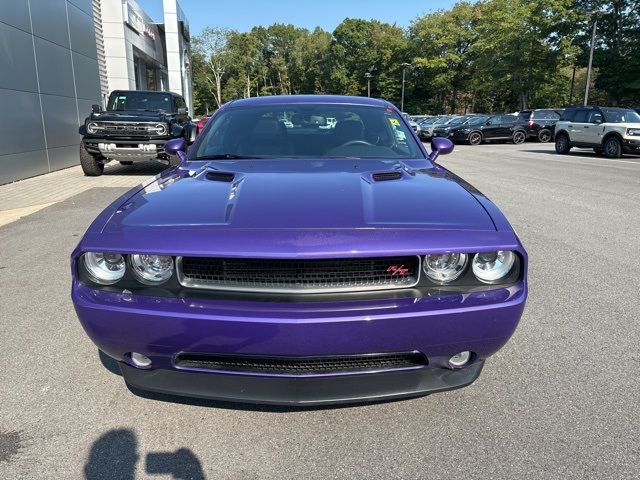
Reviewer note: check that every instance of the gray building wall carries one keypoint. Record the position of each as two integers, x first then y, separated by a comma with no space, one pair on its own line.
48,82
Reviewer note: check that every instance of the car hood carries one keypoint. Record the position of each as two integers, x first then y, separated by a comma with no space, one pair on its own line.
302,194
129,116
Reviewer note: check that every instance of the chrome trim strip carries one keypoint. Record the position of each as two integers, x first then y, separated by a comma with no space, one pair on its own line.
189,283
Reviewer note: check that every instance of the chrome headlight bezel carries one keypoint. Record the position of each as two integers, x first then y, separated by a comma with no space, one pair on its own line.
151,269
456,265
160,129
97,267
93,127
501,264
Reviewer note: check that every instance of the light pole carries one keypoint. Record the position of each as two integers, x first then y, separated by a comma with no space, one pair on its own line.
594,16
404,69
368,76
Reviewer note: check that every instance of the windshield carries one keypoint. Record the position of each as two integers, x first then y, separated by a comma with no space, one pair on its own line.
303,130
620,115
140,101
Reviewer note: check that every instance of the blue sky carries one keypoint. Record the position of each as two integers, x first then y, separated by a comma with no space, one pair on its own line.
243,14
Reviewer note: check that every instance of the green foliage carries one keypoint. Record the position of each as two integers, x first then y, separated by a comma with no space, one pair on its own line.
490,55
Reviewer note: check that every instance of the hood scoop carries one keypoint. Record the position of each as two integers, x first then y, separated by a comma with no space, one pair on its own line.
216,176
386,176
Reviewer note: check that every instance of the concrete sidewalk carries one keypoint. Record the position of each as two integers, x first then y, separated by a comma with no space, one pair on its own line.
25,197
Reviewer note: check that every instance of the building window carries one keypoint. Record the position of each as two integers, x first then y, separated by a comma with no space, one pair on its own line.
152,84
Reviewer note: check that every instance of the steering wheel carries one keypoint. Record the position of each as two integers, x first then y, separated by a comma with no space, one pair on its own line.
357,142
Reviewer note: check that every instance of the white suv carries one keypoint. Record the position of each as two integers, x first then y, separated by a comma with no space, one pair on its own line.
607,130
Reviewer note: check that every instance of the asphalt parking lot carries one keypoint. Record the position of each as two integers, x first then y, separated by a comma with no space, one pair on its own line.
561,400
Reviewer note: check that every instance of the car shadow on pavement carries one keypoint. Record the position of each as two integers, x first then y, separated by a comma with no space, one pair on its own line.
115,455
145,169
583,154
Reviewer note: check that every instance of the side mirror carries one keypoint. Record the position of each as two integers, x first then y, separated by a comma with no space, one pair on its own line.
177,146
95,108
440,146
183,110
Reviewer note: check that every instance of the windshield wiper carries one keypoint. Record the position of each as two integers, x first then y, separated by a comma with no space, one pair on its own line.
226,156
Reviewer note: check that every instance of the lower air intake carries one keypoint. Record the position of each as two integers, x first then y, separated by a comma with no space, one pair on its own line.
303,365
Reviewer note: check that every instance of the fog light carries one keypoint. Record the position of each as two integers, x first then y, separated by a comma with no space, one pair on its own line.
140,360
460,359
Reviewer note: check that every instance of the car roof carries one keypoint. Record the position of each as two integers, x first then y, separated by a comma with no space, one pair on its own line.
147,91
309,99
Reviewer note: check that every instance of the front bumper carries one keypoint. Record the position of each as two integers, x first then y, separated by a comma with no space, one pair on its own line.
438,325
631,145
304,390
127,148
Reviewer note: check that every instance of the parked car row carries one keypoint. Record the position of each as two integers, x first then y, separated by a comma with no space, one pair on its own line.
475,129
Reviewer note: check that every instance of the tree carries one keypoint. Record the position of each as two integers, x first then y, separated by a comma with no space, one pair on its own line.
211,45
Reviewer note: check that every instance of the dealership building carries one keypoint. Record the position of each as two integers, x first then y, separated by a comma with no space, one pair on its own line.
59,57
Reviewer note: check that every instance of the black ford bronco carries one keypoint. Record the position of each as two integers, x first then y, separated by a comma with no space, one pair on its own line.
134,127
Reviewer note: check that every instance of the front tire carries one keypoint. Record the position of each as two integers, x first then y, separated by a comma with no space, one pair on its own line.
475,138
562,144
91,166
544,135
612,147
518,137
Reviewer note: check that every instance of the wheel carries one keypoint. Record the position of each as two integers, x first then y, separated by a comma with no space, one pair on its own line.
91,166
126,162
612,147
562,144
475,138
544,135
519,137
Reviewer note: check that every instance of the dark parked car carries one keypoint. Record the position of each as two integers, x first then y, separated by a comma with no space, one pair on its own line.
301,265
135,126
491,128
444,130
541,123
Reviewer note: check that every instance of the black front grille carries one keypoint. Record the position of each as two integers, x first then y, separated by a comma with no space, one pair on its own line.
144,129
303,365
299,276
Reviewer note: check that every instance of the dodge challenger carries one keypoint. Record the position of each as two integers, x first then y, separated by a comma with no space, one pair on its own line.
291,259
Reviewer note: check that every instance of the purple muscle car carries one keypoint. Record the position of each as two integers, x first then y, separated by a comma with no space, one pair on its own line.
307,250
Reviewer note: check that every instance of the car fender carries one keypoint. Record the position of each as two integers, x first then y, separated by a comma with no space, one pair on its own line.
613,133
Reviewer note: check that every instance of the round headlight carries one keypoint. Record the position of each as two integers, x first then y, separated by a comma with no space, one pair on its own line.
444,268
92,127
160,129
492,266
104,268
151,269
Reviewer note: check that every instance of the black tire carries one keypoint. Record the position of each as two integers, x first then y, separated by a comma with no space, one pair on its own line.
519,136
126,162
475,138
562,144
91,166
544,135
612,147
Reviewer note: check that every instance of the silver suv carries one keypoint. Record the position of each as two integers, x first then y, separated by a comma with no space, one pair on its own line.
608,130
